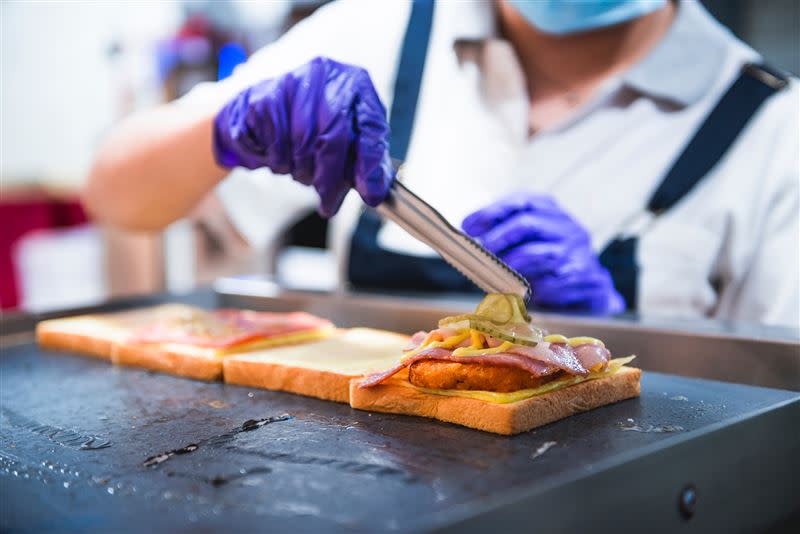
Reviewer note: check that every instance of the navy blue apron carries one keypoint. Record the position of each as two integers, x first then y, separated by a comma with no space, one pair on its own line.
372,267
710,142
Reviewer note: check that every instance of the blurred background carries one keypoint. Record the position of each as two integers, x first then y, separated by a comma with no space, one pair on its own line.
71,70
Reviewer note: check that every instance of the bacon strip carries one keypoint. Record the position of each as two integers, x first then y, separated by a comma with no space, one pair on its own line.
535,367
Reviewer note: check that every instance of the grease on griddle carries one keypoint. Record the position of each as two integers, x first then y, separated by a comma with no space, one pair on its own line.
631,426
164,456
218,481
543,448
247,426
221,480
252,424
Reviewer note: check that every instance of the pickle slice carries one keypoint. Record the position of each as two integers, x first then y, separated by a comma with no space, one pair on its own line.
501,316
455,321
503,308
521,309
517,333
497,308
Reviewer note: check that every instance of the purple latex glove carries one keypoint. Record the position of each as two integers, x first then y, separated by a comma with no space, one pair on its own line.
323,123
533,235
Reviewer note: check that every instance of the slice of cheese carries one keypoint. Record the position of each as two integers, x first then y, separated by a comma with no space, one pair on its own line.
351,352
321,369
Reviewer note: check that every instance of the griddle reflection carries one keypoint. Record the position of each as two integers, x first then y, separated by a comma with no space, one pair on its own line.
338,464
63,436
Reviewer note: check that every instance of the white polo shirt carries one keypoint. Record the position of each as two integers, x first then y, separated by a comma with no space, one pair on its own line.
729,250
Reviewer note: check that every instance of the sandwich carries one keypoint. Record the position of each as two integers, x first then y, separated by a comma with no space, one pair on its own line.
493,371
177,339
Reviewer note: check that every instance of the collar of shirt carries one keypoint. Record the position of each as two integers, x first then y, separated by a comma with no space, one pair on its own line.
680,69
688,60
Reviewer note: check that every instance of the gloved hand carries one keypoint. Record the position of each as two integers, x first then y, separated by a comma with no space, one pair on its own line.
323,123
533,235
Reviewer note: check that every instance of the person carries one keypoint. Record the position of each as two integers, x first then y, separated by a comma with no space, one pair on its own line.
620,154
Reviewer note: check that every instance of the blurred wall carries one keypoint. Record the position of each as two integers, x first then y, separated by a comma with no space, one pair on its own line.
70,71
770,26
60,86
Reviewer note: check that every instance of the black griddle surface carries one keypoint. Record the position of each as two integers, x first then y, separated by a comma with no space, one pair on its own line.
319,466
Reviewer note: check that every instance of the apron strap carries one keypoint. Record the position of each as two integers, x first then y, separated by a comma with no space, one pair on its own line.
706,148
370,266
718,132
409,77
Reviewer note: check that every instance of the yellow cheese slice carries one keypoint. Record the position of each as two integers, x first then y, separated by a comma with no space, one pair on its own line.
352,352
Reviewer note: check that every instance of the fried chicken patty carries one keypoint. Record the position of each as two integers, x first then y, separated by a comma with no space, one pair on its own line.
437,374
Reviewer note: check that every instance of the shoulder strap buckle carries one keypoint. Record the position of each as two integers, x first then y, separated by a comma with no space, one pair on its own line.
767,75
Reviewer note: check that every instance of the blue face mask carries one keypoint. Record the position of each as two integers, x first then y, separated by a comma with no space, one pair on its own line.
572,16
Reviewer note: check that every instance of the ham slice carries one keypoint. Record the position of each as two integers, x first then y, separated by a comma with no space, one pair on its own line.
533,366
493,342
553,354
440,334
558,355
415,341
540,360
226,328
592,356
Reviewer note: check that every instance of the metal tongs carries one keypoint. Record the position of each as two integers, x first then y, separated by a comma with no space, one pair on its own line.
419,219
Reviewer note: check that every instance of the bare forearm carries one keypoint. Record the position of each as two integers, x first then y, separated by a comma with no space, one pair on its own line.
152,169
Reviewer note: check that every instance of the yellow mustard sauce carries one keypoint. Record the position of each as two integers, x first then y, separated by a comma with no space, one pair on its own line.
448,343
469,351
573,341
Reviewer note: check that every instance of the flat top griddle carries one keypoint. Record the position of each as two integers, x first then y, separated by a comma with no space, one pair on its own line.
87,446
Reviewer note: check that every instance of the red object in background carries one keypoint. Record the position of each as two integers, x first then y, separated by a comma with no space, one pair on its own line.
17,218
195,26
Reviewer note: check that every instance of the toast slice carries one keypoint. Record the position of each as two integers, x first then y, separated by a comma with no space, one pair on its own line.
200,363
397,395
322,369
97,334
